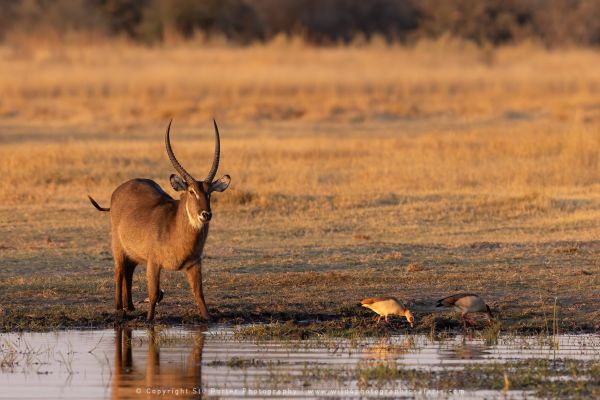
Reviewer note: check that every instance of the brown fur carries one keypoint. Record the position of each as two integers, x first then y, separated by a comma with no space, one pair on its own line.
150,227
132,370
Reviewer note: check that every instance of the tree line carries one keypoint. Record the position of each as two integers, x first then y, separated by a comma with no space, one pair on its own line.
320,22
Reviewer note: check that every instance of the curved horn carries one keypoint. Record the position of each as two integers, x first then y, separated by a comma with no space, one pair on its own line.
215,164
184,174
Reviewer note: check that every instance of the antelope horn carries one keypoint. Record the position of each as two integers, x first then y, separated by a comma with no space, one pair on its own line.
215,164
184,174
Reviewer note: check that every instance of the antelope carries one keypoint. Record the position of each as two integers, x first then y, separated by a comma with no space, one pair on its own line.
149,226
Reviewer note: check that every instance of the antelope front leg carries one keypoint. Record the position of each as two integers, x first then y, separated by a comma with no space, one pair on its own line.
194,277
153,277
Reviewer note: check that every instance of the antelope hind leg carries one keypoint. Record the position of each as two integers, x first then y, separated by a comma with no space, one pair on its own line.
119,279
129,268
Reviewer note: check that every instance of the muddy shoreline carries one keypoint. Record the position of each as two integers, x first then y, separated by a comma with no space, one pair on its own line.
293,326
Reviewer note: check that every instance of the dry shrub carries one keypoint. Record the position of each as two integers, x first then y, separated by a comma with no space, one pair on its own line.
393,256
414,267
361,236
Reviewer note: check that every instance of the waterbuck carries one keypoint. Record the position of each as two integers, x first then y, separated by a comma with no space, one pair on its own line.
149,226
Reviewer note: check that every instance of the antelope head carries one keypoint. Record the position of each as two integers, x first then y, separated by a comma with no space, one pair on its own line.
195,196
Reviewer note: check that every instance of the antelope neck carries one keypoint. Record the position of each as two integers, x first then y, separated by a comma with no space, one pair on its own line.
193,221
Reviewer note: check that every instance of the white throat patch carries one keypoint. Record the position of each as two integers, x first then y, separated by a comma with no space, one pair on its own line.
194,222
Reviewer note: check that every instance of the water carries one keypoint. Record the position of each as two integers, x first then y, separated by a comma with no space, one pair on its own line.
181,363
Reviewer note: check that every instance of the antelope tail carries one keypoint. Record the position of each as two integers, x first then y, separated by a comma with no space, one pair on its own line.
97,205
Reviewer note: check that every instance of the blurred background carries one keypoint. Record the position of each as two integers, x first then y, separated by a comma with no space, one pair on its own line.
361,136
461,96
319,22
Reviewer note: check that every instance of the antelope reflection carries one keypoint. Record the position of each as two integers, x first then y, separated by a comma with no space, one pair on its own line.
171,376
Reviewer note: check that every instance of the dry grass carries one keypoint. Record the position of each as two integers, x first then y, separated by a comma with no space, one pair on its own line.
121,84
348,165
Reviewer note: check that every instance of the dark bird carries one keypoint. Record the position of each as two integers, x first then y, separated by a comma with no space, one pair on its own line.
467,303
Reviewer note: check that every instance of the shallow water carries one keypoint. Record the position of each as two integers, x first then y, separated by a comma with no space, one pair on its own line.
181,363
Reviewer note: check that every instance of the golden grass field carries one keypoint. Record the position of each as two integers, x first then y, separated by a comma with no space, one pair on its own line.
479,167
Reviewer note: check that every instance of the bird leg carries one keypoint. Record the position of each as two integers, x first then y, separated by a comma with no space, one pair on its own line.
378,319
386,320
462,316
469,320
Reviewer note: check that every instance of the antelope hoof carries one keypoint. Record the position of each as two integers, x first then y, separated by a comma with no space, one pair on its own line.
130,308
205,317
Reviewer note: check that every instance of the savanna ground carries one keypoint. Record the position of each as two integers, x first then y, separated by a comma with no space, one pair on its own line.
356,171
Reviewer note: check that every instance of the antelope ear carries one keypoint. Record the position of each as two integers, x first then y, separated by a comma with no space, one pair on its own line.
178,183
220,184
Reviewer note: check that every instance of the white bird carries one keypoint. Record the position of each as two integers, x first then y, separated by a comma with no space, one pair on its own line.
467,303
385,306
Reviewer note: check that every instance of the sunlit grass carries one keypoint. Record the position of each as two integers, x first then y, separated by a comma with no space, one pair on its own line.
348,165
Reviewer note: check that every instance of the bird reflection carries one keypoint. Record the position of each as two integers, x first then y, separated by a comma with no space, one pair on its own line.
152,375
389,351
465,350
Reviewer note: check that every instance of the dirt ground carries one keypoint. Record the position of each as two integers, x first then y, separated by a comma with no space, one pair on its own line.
417,183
